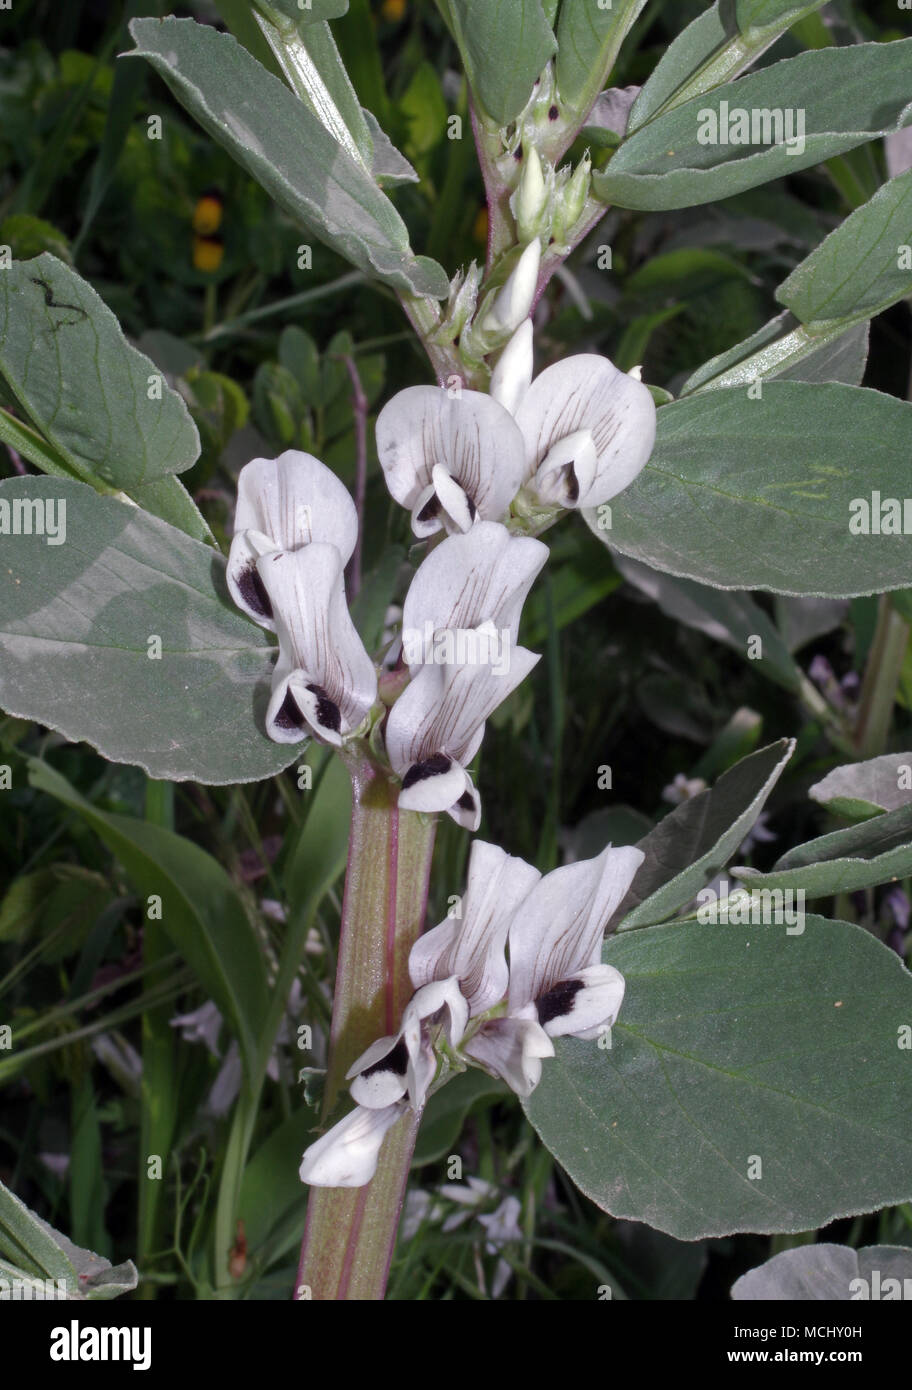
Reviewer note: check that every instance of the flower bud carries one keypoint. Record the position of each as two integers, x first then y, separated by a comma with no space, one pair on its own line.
529,203
514,301
570,203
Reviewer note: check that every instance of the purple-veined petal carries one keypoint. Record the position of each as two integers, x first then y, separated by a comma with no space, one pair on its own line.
586,392
443,709
468,580
282,504
470,436
472,946
558,930
324,681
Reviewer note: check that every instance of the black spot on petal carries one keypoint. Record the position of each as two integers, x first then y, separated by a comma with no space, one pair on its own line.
558,1001
431,767
430,509
553,113
466,802
328,712
572,484
290,716
473,510
518,153
395,1061
253,591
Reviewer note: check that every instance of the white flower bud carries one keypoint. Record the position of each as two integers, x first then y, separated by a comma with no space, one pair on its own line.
529,203
515,300
512,376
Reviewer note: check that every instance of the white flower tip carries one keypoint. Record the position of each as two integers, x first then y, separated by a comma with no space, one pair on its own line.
512,376
636,373
515,300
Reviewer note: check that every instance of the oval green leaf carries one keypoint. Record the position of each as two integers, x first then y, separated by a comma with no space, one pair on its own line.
77,623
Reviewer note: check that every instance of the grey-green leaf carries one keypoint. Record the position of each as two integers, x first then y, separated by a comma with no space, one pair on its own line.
101,403
770,14
835,1273
783,350
878,784
862,267
861,856
280,141
504,48
32,1250
746,493
589,38
695,840
711,50
77,623
816,105
739,1044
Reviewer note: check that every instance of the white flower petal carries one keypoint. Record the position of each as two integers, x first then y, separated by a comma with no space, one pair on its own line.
512,376
588,392
380,1075
443,710
286,502
467,580
346,1156
436,995
426,513
559,929
456,505
472,947
466,812
324,681
515,300
438,784
568,470
512,1048
583,1005
470,436
405,1064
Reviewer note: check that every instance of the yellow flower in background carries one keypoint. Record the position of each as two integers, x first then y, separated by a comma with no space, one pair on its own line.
393,10
207,253
207,215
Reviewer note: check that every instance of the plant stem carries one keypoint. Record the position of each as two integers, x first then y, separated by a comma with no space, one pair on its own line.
350,1233
882,673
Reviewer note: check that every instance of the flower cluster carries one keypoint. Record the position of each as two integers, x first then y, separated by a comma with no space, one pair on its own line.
470,1004
460,461
575,436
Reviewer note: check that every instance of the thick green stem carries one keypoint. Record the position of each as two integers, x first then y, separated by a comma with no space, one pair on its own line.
350,1233
878,692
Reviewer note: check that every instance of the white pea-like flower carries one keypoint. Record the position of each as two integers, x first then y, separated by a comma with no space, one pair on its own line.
588,428
459,625
283,504
558,985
